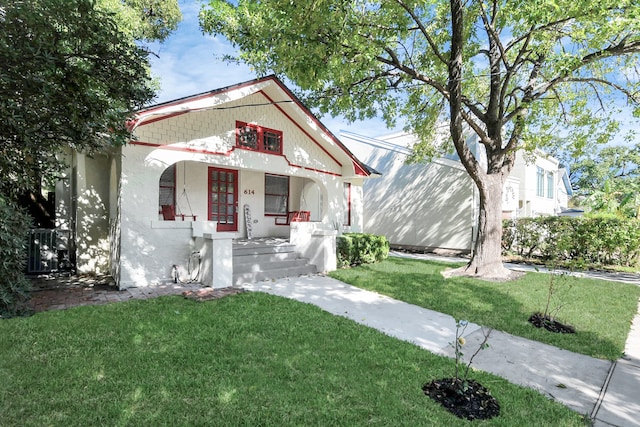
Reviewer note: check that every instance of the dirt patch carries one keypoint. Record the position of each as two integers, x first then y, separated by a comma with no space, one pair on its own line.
464,399
207,294
550,324
510,275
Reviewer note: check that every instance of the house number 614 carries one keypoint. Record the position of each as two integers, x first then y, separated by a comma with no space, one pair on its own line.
249,192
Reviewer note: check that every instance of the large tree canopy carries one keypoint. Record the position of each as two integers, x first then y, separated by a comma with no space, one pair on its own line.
147,20
516,73
70,76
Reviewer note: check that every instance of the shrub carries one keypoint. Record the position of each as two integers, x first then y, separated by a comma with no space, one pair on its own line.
529,236
361,248
605,240
14,286
508,234
345,250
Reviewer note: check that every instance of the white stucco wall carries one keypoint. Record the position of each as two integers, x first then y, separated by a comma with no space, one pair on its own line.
149,246
525,169
423,205
64,193
92,213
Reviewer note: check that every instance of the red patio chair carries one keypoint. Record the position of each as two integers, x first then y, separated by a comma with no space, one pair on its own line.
168,213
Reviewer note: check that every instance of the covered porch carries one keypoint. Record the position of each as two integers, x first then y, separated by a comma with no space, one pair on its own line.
246,202
236,224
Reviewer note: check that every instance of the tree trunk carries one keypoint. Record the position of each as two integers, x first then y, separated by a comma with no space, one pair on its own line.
486,261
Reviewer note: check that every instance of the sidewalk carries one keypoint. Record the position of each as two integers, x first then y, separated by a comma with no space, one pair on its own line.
606,391
602,275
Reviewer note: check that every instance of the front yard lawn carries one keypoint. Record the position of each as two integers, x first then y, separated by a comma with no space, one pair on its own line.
601,311
250,359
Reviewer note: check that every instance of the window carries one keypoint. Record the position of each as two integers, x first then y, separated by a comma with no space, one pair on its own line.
168,188
540,182
550,186
346,219
258,138
276,195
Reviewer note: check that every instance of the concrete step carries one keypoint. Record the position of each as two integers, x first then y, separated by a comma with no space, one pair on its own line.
257,276
263,258
259,249
247,266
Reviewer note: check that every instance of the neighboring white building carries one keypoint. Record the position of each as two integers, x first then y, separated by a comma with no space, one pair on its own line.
434,205
203,171
420,205
544,185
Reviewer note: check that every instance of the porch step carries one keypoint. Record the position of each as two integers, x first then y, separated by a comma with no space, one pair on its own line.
258,276
270,263
258,261
259,248
265,257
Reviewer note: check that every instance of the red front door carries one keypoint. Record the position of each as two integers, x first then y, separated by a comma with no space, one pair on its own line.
223,198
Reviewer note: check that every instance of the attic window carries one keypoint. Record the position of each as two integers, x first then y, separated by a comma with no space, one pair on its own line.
258,138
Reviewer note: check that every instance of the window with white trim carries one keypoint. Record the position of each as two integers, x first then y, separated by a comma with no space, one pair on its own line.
550,185
253,137
276,194
540,182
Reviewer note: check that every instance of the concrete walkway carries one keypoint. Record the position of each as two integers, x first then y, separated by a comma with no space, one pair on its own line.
609,392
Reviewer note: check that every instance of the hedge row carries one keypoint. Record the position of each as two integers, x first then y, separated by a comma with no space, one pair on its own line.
597,240
14,287
361,248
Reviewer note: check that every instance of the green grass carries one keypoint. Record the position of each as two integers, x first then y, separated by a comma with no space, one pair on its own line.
601,311
246,360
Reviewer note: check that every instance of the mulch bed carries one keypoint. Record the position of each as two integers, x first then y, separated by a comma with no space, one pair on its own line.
473,402
207,294
539,320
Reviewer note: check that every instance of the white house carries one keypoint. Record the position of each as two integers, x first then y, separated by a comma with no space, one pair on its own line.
434,205
430,206
544,185
239,163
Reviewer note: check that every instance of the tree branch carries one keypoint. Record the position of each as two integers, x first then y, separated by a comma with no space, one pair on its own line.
488,25
611,51
423,30
454,87
395,62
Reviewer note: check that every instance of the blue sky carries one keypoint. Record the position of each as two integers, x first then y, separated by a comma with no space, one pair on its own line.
189,63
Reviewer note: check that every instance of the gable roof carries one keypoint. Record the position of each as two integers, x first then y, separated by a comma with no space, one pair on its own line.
277,95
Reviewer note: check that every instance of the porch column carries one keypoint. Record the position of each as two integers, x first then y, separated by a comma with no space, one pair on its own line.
316,243
216,254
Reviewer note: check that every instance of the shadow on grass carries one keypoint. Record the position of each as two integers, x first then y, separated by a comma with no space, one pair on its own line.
503,306
250,359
